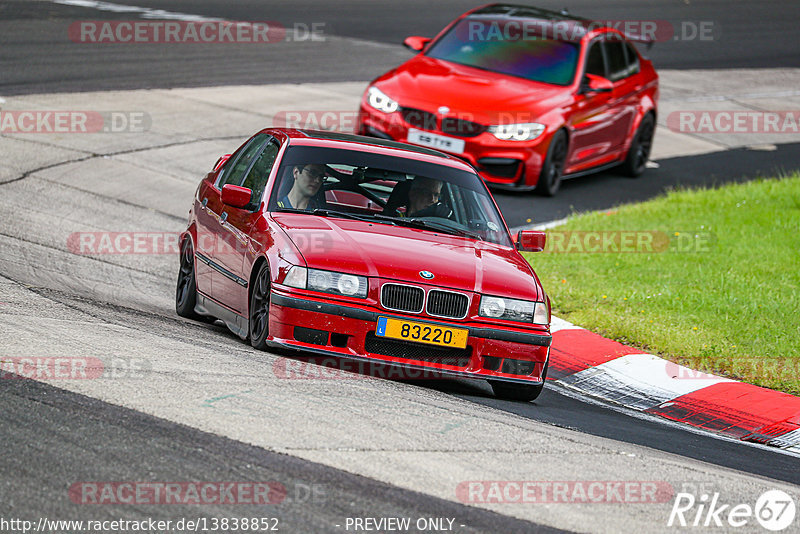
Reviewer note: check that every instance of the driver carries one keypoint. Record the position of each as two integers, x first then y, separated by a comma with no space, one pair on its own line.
307,183
424,192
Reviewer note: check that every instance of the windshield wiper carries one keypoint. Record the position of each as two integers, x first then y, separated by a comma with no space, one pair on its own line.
342,214
435,226
326,213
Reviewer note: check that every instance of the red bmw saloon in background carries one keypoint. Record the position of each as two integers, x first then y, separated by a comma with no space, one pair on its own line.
526,95
364,249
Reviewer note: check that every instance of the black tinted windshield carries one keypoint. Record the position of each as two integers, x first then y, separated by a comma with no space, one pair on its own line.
386,190
490,44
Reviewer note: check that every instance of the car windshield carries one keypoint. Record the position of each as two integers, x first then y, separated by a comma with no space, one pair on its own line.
500,46
383,189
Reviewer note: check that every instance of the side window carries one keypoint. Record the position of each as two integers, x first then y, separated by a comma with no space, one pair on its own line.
257,177
237,166
595,64
632,59
617,64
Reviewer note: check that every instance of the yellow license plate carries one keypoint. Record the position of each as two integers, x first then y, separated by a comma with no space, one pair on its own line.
431,334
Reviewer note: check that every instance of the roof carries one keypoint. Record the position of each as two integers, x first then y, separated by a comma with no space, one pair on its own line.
544,18
324,138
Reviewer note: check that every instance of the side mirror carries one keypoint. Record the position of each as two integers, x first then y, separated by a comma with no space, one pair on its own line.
236,196
531,240
596,84
416,43
221,161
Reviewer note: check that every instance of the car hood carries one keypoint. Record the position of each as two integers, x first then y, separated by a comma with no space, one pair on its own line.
483,96
400,253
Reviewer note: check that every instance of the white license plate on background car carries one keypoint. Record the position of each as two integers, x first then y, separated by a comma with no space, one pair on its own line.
439,142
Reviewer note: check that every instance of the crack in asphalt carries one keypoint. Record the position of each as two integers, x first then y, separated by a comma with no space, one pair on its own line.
93,155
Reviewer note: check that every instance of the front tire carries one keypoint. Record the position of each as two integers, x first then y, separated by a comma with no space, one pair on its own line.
553,168
639,152
259,309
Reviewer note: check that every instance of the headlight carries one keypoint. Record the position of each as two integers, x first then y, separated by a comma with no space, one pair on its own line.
517,132
514,310
380,101
327,282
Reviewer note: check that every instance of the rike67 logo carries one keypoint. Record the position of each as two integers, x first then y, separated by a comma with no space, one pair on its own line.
774,510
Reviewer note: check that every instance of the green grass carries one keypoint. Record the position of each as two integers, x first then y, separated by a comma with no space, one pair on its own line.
722,297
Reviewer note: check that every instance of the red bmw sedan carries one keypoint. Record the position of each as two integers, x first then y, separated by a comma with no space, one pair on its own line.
525,95
367,250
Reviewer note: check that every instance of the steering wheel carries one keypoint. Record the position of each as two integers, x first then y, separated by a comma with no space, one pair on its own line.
440,209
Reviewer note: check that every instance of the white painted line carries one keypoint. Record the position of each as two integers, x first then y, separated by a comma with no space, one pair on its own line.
568,391
640,381
790,440
144,12
557,324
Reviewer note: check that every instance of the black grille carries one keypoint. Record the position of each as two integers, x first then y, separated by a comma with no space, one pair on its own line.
460,127
518,367
503,167
417,351
402,298
450,125
311,335
419,119
491,363
447,304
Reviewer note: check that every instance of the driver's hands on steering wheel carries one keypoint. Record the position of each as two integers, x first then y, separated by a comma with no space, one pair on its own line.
439,209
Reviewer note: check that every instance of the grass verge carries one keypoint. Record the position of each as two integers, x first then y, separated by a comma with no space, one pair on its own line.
709,278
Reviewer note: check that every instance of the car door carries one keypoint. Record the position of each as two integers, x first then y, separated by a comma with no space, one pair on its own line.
625,97
593,115
210,210
233,241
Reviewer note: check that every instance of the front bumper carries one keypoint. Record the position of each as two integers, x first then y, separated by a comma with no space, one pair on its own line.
334,329
511,165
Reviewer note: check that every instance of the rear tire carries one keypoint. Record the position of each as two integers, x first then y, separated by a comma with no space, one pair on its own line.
639,152
553,168
186,290
259,309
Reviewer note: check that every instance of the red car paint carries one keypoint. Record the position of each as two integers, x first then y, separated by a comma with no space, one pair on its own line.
600,123
229,245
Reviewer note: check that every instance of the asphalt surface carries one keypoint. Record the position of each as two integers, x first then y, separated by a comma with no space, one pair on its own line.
37,54
78,439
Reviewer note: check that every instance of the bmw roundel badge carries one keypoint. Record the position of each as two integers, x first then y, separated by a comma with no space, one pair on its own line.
427,275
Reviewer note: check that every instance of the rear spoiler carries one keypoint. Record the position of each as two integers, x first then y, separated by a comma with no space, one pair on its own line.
639,39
